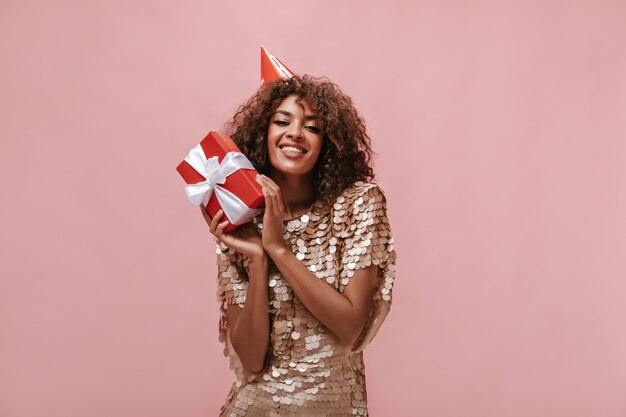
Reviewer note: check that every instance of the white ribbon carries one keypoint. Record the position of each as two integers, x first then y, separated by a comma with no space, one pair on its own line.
215,173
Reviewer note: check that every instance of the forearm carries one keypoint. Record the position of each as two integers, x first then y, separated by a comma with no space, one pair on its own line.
250,333
329,306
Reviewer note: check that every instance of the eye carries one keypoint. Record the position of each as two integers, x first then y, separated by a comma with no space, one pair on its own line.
314,129
281,122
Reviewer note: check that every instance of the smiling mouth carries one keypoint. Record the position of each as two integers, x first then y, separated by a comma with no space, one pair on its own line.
292,150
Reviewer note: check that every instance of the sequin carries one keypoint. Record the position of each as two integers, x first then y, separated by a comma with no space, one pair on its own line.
307,370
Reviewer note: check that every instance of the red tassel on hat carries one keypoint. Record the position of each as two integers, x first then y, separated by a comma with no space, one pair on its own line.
271,68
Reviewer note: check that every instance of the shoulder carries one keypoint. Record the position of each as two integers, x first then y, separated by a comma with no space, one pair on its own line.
361,193
361,206
360,214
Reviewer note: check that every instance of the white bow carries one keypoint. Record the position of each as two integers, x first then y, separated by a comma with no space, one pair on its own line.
215,173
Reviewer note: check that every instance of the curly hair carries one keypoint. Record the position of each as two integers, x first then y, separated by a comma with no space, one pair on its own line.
346,151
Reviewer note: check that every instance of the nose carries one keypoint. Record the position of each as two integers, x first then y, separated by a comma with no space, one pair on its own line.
295,131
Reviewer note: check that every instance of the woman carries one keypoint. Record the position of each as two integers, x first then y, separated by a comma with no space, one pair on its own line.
304,287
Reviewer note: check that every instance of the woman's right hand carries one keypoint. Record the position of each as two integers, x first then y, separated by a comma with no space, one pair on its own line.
246,240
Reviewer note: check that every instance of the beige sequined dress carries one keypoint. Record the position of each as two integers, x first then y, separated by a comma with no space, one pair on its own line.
308,372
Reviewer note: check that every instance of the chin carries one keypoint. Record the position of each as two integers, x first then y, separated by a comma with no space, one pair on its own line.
291,171
286,172
288,168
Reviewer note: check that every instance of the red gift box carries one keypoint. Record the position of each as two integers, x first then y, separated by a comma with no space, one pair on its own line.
230,178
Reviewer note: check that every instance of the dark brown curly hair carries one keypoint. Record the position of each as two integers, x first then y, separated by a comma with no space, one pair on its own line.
346,151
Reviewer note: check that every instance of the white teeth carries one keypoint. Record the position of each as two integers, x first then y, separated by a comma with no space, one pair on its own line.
292,149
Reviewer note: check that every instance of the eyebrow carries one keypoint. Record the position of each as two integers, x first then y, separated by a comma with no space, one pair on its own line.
286,113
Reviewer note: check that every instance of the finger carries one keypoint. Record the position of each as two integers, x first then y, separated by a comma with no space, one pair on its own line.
268,201
271,191
205,214
266,186
276,201
275,190
216,221
268,180
220,228
259,179
280,206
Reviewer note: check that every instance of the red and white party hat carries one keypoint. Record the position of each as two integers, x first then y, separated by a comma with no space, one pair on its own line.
271,68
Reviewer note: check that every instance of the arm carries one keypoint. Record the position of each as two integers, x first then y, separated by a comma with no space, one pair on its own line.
249,327
344,315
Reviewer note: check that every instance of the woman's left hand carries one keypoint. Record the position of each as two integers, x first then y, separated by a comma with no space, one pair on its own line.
273,217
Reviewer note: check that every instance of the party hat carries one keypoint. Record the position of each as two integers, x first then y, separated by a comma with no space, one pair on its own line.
271,68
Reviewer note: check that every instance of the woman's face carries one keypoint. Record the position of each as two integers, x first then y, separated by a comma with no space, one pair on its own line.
294,137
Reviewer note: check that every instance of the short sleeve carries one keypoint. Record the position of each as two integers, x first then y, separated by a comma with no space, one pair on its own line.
231,286
367,240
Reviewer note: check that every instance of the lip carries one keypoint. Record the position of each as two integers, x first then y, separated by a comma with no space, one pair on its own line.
292,155
294,144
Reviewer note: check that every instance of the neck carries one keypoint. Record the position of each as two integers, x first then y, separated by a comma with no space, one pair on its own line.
297,193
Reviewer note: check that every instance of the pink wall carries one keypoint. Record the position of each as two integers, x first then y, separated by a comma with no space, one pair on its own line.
502,140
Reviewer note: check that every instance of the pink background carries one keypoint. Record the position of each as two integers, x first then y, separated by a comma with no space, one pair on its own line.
500,129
